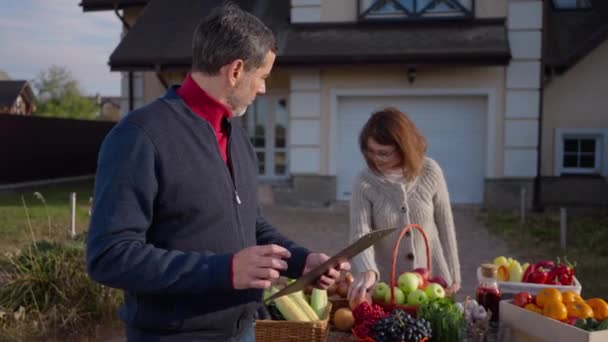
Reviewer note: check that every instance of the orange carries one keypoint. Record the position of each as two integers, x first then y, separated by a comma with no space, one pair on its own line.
533,308
555,309
571,296
547,295
579,310
599,307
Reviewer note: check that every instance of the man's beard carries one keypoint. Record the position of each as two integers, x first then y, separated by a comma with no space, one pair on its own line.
233,103
241,112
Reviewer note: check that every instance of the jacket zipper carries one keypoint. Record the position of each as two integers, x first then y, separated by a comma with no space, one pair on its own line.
234,178
235,194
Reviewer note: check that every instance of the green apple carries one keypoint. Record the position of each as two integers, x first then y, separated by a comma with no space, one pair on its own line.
399,296
380,291
434,291
417,297
408,282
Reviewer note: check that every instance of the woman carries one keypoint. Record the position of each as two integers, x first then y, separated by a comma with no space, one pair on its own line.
400,186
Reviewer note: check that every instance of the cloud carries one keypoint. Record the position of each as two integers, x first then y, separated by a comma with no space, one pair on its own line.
36,34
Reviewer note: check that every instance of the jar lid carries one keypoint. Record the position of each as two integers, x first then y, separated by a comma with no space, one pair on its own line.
489,270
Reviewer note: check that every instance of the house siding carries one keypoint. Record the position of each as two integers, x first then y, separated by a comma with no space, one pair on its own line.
576,99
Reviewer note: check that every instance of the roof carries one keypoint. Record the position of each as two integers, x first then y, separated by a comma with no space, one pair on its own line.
104,5
571,35
9,90
149,44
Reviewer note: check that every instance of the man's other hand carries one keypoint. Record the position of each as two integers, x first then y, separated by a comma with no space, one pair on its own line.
324,281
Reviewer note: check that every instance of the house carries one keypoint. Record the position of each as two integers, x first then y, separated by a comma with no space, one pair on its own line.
16,97
501,90
109,107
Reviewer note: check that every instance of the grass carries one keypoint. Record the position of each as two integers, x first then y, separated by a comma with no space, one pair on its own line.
539,239
45,292
14,230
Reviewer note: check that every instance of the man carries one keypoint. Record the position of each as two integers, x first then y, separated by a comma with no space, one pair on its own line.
175,222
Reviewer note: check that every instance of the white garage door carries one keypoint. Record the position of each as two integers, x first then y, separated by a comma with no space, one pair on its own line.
454,127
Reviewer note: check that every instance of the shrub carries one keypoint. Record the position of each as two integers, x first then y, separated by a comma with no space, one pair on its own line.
46,291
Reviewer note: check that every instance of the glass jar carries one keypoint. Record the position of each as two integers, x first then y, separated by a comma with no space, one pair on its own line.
488,293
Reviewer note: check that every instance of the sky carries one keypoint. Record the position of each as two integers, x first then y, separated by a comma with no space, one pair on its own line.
35,34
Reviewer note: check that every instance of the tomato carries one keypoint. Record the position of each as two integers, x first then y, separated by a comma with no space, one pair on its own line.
555,309
547,295
522,299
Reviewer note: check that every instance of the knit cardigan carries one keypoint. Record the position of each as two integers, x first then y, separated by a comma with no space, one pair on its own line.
378,203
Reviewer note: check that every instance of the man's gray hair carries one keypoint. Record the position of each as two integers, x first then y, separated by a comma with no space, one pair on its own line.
228,33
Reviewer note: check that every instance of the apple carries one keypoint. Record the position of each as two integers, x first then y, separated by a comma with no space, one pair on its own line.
439,280
399,296
423,271
417,297
434,291
408,282
380,291
522,299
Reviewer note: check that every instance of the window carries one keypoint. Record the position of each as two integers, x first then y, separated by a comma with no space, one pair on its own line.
266,122
580,151
572,4
415,9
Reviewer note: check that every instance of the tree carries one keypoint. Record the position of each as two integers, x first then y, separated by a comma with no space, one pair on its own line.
59,95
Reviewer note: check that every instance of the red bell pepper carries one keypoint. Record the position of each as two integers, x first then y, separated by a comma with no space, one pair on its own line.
526,277
563,273
539,276
546,264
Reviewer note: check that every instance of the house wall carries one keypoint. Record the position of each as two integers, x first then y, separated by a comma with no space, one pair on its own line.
346,10
576,99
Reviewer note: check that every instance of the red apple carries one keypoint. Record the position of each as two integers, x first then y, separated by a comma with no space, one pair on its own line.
439,280
522,299
424,272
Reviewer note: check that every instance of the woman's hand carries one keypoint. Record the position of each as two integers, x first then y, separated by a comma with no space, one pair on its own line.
363,282
451,291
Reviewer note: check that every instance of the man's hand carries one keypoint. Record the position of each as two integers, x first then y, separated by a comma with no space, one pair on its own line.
258,266
315,259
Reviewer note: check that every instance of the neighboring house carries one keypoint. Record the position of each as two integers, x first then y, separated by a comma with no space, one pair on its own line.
470,73
574,162
109,107
16,97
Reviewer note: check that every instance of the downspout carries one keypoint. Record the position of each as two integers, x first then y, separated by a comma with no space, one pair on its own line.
537,204
127,27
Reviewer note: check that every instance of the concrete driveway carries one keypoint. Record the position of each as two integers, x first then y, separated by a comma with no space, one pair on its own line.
325,229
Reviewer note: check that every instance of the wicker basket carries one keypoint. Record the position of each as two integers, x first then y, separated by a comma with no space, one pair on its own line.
388,307
286,331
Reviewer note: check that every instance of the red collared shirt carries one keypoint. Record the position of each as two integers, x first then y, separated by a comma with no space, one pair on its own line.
208,108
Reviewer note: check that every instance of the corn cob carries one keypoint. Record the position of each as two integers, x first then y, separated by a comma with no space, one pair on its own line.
319,301
298,298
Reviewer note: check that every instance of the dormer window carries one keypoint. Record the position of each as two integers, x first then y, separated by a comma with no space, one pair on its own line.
572,4
415,9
